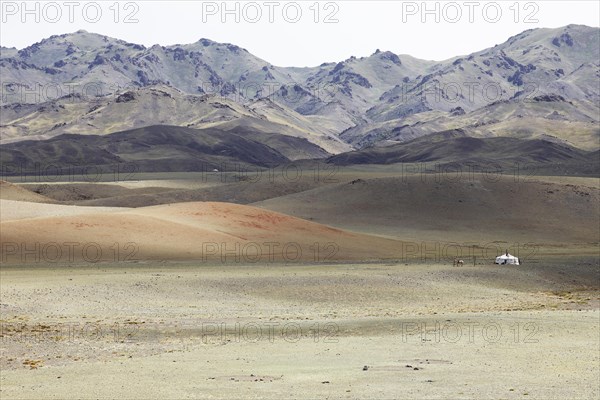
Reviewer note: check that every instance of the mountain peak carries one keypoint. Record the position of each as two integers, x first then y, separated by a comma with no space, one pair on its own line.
206,42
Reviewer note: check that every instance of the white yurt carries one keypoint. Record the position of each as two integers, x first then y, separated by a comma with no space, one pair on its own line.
507,259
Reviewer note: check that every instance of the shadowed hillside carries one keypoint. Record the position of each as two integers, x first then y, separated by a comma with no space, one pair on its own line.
456,147
158,149
451,208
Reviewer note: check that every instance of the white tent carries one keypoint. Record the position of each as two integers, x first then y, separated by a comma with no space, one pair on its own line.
507,259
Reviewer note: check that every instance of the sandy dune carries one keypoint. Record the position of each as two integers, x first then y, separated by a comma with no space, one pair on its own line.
198,231
10,191
12,210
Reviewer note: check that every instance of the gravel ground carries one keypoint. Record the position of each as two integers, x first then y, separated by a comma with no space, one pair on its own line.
300,331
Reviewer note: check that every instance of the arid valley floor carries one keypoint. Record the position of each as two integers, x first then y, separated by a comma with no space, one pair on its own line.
317,288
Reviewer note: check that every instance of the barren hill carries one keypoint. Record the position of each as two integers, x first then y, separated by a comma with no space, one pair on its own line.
209,232
454,208
158,149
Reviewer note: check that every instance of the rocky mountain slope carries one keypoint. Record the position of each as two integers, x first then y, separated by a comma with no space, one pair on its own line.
157,105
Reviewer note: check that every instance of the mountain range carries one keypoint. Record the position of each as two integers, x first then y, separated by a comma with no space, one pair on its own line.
543,84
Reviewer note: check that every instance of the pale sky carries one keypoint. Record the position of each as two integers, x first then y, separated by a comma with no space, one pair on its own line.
267,28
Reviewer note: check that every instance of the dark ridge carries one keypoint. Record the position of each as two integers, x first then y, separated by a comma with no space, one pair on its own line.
154,149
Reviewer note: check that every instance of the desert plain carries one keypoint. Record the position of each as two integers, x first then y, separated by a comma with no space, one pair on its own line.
180,286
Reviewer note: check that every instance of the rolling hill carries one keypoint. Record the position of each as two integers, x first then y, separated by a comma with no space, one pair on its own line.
205,232
485,154
157,149
449,208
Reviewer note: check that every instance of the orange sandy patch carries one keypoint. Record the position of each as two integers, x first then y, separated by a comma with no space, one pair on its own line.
219,232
